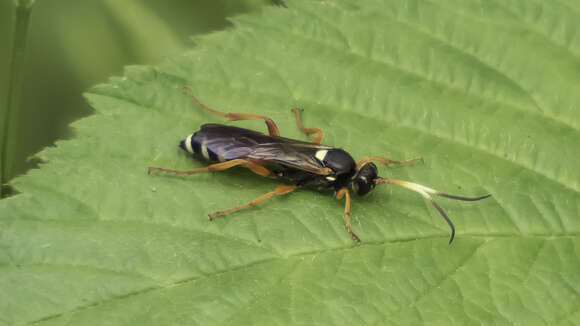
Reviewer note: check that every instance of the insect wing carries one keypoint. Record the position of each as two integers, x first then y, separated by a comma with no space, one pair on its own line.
231,143
295,155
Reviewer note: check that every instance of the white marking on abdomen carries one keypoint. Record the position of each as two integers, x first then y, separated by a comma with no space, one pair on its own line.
321,154
204,149
188,144
220,155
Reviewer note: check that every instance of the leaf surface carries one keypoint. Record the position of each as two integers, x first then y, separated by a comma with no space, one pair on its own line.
486,92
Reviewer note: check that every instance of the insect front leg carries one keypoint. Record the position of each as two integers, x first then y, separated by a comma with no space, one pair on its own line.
233,116
280,190
385,160
309,131
343,192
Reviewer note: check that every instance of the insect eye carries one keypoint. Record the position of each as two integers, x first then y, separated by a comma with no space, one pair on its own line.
364,180
362,186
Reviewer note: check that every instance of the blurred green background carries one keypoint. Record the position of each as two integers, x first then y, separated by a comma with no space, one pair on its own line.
73,45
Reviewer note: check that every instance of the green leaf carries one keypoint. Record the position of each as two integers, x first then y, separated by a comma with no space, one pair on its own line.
486,92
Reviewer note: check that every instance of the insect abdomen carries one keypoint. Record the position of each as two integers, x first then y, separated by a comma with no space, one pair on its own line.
220,143
197,143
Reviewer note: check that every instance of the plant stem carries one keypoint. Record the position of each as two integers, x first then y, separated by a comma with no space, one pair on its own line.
11,113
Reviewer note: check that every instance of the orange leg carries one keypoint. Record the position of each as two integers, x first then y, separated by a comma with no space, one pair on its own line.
342,193
384,160
309,131
272,128
280,190
256,168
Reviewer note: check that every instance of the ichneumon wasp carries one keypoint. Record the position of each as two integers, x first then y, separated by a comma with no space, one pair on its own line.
298,163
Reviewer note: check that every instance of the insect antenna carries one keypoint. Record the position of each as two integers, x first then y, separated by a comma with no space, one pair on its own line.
425,191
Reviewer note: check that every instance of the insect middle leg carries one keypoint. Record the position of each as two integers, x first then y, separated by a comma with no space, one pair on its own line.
233,116
280,190
309,131
385,161
256,168
343,192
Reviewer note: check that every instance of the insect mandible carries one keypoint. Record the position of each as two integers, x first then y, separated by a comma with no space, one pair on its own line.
298,163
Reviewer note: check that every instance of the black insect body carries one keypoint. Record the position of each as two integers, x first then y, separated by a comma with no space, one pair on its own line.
299,164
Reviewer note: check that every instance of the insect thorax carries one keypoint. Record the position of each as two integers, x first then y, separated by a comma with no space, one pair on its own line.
339,161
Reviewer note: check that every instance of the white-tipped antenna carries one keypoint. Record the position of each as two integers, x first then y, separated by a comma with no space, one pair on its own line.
425,191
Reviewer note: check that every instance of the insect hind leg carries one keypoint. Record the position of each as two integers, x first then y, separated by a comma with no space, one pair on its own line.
309,131
280,190
233,116
256,168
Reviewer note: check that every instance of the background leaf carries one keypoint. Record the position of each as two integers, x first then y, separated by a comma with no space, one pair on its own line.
487,93
76,45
